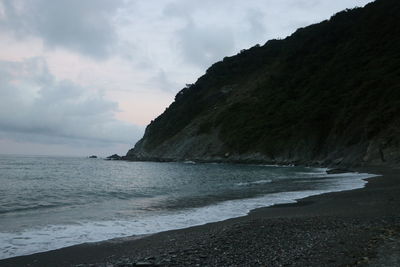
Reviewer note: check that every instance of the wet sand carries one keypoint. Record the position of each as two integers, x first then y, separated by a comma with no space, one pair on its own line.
357,227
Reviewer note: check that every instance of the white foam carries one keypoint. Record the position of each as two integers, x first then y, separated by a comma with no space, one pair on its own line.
58,236
255,182
189,162
278,165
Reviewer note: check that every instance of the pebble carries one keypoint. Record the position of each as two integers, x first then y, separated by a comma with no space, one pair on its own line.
143,263
316,241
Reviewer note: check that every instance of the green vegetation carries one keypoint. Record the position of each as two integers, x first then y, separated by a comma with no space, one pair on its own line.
336,83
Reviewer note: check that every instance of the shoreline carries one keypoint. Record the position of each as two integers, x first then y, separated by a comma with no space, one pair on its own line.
214,212
191,245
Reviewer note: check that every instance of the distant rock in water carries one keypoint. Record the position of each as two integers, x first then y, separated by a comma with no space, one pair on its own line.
92,157
328,94
114,157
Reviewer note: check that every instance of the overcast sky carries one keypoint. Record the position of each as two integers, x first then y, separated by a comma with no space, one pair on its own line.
85,77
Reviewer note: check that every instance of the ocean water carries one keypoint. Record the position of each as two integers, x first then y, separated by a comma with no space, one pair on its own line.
52,202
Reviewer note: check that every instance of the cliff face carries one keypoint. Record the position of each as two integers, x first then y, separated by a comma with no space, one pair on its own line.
328,94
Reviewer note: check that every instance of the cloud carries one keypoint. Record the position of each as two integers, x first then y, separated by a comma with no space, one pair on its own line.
203,46
198,43
163,82
82,26
256,28
36,107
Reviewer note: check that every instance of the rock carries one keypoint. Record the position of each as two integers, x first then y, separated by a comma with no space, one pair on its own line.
114,157
93,157
338,161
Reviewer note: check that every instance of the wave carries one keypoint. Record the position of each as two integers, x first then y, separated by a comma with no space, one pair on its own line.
31,208
277,165
255,182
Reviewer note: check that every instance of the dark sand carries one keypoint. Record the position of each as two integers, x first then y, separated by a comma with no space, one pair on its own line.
358,227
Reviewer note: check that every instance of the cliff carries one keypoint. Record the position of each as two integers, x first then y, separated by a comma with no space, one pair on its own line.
328,94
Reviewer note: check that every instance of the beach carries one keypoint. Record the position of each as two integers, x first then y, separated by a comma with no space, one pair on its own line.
200,133
357,227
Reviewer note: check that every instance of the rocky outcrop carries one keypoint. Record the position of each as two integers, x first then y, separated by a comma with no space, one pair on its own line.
329,94
114,157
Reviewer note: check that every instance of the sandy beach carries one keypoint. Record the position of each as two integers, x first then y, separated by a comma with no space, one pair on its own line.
358,227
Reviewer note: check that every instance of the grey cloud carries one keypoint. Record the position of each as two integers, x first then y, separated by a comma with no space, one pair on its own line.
203,46
162,81
81,26
256,24
200,44
35,107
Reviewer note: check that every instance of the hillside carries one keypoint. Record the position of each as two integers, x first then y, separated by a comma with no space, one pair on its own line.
328,94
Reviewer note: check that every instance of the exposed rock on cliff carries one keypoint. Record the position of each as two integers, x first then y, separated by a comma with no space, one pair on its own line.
328,94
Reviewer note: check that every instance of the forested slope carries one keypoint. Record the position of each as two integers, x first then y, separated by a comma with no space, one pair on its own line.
329,93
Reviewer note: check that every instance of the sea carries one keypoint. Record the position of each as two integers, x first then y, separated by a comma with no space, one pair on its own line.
48,203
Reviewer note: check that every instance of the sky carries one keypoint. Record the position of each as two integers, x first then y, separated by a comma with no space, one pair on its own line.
85,77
